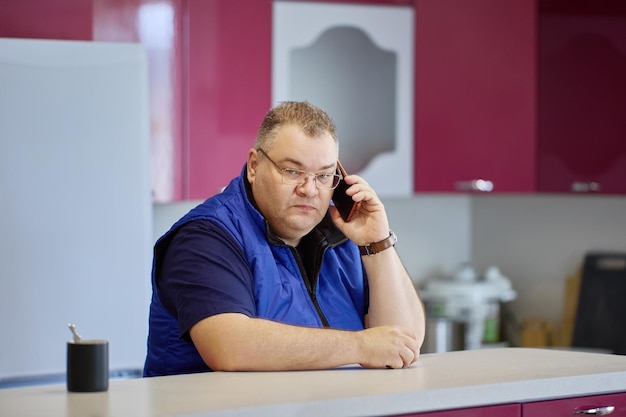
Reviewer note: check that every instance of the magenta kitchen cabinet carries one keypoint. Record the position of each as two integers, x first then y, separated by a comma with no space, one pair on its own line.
582,96
475,94
609,404
210,83
505,410
227,88
527,94
480,110
46,19
227,73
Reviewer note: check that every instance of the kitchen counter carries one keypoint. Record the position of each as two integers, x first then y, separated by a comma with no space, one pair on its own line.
437,382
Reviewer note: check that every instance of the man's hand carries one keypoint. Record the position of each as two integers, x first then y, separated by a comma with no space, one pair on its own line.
387,346
369,222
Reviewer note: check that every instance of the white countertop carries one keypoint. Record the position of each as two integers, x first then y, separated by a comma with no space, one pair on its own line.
438,381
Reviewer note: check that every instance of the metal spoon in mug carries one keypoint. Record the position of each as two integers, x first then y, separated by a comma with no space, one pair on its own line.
74,332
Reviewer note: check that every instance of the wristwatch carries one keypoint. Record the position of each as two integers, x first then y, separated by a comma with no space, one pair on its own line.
377,247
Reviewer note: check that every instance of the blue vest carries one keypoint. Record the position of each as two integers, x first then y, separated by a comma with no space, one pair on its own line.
336,298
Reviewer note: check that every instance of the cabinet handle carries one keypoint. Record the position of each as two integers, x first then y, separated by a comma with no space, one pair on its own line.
598,411
585,187
475,185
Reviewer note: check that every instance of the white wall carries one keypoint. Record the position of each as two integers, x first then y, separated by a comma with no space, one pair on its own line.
538,240
165,215
434,233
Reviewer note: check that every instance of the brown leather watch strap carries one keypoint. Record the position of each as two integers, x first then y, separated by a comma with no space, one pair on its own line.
376,247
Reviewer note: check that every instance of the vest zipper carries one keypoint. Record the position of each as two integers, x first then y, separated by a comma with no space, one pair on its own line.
310,287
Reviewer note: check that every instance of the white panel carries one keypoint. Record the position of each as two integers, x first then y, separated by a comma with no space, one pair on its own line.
76,213
434,233
299,24
540,240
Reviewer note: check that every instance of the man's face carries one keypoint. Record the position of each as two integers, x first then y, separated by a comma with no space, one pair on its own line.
291,210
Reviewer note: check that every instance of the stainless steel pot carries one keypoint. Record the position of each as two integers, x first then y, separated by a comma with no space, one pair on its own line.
443,335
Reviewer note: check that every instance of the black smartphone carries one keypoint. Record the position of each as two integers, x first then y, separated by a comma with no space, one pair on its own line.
344,203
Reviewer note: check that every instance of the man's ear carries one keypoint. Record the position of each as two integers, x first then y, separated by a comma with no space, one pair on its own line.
253,161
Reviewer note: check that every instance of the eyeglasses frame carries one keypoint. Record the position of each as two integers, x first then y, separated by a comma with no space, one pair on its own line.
308,174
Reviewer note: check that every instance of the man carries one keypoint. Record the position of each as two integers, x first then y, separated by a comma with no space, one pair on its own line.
268,276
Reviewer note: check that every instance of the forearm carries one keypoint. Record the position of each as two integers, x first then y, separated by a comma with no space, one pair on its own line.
234,342
393,298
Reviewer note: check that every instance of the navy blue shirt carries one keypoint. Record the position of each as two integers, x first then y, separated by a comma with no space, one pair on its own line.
186,286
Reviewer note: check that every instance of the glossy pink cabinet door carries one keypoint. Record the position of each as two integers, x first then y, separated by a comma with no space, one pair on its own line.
475,114
209,81
227,88
506,410
610,404
582,97
46,19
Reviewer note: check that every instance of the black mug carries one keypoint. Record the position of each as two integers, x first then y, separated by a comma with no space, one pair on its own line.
88,366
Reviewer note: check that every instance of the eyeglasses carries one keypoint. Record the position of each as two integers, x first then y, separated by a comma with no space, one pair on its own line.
298,177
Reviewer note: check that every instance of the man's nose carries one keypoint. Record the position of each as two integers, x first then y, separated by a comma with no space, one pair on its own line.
309,186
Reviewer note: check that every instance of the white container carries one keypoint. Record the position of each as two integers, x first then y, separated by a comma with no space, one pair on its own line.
473,301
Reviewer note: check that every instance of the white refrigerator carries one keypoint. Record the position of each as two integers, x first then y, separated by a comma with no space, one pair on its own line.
75,204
